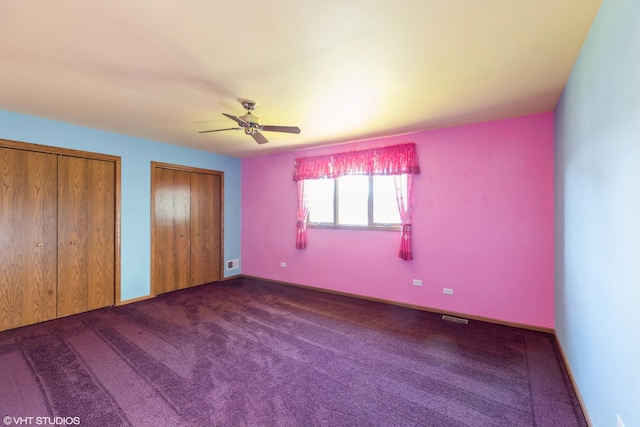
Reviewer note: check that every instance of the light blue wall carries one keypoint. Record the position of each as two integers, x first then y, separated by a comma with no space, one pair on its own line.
137,155
598,216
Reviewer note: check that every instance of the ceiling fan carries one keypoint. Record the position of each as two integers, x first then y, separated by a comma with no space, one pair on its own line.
251,124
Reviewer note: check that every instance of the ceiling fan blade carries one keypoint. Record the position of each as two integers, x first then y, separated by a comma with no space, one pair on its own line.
287,129
259,138
218,130
236,119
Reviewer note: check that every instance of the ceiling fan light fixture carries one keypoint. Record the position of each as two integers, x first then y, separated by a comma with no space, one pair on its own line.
250,118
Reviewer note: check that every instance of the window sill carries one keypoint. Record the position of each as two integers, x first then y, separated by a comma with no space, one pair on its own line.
395,227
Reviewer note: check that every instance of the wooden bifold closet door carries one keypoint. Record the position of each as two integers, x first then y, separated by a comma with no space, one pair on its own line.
186,227
205,228
86,206
59,247
28,218
171,230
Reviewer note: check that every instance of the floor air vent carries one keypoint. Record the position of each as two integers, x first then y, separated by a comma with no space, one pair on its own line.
455,319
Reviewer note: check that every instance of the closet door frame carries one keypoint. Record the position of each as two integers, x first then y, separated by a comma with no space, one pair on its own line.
27,146
189,169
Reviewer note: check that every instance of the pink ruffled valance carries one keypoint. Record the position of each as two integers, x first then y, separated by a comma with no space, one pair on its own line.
391,160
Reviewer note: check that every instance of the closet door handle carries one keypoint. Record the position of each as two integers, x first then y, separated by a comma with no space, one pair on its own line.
181,235
40,244
74,242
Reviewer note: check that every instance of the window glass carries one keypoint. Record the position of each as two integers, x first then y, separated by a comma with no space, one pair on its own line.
319,194
353,200
385,206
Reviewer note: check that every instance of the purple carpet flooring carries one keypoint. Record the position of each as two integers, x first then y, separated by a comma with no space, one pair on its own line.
250,353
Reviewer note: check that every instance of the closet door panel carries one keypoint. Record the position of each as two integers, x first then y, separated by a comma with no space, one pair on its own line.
86,234
205,228
100,234
27,237
171,230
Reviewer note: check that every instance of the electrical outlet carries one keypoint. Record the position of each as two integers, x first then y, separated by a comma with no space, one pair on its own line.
283,264
417,282
447,291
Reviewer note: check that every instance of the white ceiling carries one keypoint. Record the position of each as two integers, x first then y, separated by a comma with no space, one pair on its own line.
341,70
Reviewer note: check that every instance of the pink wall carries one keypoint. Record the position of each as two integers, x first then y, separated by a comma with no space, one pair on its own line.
483,225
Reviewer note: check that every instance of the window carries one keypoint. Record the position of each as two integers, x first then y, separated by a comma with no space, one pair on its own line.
335,190
354,201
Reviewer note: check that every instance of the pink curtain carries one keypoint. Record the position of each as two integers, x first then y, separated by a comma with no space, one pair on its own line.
404,197
303,212
391,160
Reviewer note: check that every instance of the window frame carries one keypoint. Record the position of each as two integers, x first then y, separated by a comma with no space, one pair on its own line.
370,224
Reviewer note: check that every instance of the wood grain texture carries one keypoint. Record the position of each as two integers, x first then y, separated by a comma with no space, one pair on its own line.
29,229
86,234
171,207
27,237
205,228
174,265
117,163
